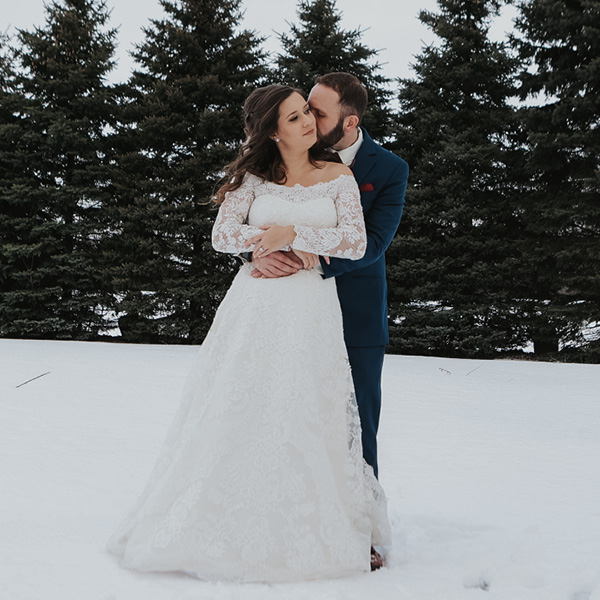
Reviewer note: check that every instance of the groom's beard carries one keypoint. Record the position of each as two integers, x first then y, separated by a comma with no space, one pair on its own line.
333,137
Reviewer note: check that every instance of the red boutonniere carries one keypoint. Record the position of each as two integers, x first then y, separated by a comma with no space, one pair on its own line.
366,187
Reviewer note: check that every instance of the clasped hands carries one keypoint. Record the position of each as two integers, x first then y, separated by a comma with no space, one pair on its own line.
268,259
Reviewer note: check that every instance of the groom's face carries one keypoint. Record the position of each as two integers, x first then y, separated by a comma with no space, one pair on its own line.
325,105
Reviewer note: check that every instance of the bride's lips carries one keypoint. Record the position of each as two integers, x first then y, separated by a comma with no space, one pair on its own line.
310,132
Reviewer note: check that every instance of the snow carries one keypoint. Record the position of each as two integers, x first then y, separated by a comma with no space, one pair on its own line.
491,470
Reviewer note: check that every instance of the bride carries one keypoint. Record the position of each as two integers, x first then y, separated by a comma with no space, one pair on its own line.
261,476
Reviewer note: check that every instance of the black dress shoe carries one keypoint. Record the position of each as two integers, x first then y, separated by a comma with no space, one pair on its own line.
377,561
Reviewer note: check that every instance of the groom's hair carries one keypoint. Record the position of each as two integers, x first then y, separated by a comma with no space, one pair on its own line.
353,95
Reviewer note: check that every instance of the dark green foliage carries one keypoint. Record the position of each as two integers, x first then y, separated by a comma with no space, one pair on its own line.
450,267
55,107
318,45
560,49
181,123
105,191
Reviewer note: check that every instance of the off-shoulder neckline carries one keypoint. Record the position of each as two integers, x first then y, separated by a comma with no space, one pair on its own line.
306,187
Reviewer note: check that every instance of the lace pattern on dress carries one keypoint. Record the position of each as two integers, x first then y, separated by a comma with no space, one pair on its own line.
347,239
261,475
230,232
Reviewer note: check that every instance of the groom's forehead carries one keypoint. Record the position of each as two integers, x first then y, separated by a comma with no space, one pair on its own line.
324,98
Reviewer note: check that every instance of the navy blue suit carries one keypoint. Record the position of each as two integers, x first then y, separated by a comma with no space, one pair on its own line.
361,284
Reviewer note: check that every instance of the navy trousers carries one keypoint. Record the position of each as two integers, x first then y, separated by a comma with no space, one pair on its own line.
366,364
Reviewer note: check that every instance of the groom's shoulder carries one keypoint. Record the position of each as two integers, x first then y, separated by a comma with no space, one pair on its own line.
385,158
390,160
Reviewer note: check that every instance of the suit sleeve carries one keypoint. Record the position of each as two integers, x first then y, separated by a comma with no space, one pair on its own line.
381,222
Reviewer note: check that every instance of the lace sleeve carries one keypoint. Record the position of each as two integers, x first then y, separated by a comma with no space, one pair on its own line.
230,232
349,238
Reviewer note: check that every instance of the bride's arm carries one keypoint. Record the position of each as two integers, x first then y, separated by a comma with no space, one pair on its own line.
230,231
349,238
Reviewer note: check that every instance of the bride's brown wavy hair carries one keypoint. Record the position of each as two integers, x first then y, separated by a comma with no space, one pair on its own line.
259,154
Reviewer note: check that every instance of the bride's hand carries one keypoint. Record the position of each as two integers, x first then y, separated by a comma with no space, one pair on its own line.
274,238
308,259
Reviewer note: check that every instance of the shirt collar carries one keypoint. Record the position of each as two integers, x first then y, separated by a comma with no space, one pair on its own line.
349,154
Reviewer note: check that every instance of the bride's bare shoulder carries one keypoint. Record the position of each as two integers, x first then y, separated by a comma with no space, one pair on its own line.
333,170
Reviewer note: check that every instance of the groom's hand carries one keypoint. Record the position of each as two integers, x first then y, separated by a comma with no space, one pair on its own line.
277,264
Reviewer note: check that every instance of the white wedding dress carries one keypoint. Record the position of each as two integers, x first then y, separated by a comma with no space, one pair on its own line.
261,477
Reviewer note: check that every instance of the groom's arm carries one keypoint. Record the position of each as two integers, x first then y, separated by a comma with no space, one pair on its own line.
381,222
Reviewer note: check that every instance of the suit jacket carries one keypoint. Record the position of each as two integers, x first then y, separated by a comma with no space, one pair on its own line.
361,284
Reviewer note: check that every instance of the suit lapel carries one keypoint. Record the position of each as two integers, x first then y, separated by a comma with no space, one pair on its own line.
365,159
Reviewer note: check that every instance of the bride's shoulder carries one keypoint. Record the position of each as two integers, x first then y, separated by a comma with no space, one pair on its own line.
252,180
333,170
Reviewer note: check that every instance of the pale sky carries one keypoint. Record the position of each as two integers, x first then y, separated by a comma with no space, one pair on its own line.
391,26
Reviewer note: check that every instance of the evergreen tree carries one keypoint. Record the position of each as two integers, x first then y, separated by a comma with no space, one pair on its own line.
9,137
452,262
52,149
181,123
319,45
560,46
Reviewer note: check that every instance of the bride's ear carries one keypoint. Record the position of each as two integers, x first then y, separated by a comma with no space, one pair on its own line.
275,138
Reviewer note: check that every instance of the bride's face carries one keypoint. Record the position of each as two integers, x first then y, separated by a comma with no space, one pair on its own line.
296,127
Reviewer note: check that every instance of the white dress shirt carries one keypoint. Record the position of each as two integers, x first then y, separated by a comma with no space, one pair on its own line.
349,154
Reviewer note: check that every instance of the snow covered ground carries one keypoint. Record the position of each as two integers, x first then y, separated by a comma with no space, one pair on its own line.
492,469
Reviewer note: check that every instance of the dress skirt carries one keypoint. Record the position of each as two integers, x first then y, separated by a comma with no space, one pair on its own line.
261,476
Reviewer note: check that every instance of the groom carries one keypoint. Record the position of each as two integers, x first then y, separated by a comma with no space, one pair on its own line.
338,102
